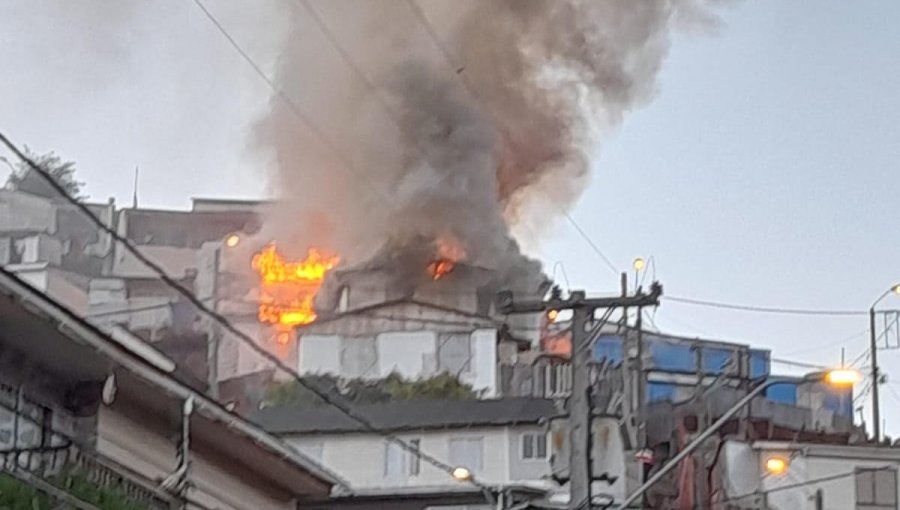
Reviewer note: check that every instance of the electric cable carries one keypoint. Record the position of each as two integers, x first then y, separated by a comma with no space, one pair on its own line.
764,309
808,483
343,407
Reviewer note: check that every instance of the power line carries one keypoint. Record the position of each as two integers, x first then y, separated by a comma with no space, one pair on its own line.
338,404
831,344
893,393
451,62
800,364
294,107
392,115
765,309
808,482
119,311
331,145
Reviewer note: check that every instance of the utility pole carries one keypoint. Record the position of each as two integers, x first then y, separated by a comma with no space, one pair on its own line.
579,405
876,373
873,350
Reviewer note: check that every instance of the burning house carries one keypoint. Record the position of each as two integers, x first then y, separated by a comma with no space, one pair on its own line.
385,245
418,317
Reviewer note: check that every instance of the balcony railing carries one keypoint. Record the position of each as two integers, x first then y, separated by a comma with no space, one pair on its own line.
39,452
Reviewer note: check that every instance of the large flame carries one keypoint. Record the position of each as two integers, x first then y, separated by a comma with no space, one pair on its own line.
287,289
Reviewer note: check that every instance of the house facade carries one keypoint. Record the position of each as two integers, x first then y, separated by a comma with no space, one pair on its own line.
112,410
413,339
501,442
816,476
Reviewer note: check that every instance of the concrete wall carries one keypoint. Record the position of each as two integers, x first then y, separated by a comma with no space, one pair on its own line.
413,354
54,284
174,260
361,458
745,474
24,212
410,354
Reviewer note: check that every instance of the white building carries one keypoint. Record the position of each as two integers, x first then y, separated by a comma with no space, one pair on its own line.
817,476
502,442
410,338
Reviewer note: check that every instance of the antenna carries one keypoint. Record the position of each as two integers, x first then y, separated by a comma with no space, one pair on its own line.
134,202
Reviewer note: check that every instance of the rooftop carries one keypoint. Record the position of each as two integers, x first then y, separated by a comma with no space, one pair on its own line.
407,415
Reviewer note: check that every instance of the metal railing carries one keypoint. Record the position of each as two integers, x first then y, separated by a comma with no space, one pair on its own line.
52,457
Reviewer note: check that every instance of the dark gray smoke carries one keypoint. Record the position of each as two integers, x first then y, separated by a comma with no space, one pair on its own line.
490,127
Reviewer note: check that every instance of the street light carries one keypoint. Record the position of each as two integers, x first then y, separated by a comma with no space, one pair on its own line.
843,380
638,264
873,350
232,240
776,465
461,473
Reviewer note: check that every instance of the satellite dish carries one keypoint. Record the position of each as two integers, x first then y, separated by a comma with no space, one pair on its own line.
109,390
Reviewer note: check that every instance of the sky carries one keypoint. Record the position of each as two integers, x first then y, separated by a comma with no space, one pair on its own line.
764,172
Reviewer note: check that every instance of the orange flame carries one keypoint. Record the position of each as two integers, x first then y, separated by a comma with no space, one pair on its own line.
440,268
449,253
287,289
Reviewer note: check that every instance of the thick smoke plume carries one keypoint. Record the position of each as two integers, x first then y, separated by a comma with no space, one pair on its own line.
483,117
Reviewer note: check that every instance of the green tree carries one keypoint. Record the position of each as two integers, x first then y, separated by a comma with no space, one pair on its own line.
26,179
361,391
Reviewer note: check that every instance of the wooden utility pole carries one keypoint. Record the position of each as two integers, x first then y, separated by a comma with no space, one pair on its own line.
579,404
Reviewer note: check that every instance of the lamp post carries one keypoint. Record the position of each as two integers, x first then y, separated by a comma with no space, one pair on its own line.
835,377
214,337
873,351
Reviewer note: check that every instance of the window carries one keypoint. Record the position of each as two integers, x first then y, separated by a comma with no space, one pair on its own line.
455,353
344,299
534,446
467,452
399,462
414,459
876,489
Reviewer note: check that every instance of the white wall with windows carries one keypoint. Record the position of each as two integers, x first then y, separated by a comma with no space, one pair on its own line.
471,355
495,455
849,477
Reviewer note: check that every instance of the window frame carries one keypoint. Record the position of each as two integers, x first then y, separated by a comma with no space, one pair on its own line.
410,463
534,439
869,475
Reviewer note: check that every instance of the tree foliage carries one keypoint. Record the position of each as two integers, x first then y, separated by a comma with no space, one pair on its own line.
360,391
15,495
26,179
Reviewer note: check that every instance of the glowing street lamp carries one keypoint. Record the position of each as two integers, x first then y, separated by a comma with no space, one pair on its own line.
232,240
639,264
842,377
776,465
461,473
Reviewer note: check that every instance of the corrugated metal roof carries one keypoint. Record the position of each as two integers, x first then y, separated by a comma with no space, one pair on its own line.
406,415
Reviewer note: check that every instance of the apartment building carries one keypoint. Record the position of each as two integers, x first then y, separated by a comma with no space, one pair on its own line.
115,412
